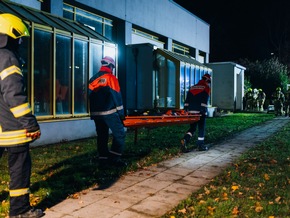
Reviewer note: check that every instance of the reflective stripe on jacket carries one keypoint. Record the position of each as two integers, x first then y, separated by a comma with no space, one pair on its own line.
105,94
15,113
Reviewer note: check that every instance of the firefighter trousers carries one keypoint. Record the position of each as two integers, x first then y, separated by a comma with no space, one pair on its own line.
19,164
115,124
201,130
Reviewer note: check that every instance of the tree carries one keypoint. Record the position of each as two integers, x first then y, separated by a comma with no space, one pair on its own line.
266,75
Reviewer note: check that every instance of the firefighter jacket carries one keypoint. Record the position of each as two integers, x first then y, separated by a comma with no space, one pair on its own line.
105,95
197,98
16,117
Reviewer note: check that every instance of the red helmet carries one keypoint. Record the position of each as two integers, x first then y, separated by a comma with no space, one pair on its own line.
207,77
106,61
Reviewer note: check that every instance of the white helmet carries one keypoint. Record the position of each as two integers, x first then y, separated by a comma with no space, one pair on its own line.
106,61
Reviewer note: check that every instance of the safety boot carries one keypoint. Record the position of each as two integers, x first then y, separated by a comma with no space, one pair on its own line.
184,147
202,148
33,213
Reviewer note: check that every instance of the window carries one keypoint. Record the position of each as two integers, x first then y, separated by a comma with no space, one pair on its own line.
63,76
98,23
165,84
95,58
180,49
80,77
43,86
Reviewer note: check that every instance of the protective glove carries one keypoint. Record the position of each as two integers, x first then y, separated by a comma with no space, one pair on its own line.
33,135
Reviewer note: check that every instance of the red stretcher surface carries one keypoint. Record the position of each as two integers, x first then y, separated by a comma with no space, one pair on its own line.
156,121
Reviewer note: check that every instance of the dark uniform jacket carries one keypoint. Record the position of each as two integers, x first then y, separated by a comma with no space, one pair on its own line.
15,113
105,94
197,98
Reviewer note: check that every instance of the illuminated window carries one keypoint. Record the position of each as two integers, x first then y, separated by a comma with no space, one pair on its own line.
98,23
180,49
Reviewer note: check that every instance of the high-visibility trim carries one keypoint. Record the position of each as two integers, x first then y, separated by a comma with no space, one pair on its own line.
19,192
120,108
104,112
21,110
200,138
189,133
116,153
9,138
204,105
193,112
9,71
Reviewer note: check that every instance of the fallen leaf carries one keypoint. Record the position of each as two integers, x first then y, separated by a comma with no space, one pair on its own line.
206,191
182,211
266,177
210,210
235,187
258,207
202,202
235,211
277,199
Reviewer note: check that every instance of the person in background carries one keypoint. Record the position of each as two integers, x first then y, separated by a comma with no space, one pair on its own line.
106,109
18,126
261,100
196,103
249,99
287,102
278,99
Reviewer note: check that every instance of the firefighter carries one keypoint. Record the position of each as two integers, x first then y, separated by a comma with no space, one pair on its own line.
106,109
196,103
278,99
249,99
287,102
18,126
261,100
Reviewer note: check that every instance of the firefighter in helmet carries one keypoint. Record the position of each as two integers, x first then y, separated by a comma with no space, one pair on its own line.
278,99
249,99
18,125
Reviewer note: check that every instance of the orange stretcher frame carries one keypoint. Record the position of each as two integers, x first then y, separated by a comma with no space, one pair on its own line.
157,121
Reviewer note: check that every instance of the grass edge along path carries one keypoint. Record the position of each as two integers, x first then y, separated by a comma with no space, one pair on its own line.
62,170
256,185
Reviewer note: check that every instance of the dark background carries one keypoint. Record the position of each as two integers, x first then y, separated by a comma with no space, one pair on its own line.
239,29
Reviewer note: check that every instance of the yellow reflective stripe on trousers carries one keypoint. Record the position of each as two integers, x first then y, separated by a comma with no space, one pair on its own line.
21,110
10,70
18,192
13,137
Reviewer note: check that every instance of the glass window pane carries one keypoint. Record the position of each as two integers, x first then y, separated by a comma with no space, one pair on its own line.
95,58
192,75
165,88
171,100
95,22
80,76
42,73
63,75
24,54
182,85
108,32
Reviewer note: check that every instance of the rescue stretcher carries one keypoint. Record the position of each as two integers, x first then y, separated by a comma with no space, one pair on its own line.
167,119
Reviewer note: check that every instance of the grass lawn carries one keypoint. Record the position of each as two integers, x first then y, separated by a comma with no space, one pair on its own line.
61,170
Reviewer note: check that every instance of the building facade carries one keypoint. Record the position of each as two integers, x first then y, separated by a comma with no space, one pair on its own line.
69,38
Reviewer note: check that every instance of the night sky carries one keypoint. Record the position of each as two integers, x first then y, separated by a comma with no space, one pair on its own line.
252,29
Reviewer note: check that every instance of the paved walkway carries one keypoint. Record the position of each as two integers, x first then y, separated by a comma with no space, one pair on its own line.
158,189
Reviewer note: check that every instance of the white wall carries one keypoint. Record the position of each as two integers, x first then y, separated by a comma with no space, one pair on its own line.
160,16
